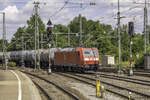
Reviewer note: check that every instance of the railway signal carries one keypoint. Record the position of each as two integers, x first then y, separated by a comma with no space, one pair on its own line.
131,29
49,30
49,33
131,32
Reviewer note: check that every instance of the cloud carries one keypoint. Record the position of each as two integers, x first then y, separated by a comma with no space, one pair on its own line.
11,13
105,11
5,2
132,12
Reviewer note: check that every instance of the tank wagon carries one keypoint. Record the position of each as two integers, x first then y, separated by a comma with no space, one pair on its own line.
47,57
67,59
29,57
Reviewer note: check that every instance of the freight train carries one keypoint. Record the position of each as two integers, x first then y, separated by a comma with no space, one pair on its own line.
66,59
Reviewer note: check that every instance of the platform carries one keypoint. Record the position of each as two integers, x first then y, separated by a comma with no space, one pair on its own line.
15,85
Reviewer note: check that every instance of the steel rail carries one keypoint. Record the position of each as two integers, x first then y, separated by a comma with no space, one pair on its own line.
133,91
146,81
126,79
109,90
57,86
44,92
142,74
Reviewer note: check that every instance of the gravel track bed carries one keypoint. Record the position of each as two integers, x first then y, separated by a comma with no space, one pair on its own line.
44,96
148,73
144,74
129,85
116,97
53,92
82,90
61,81
145,71
125,75
139,86
65,82
125,92
123,78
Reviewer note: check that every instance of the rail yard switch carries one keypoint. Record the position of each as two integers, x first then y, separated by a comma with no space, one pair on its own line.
130,95
102,89
49,71
98,85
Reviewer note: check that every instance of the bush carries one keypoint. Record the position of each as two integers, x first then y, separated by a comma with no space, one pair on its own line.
12,64
140,61
125,64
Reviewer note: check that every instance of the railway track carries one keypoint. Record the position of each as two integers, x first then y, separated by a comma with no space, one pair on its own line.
43,91
119,90
145,71
142,73
74,97
126,79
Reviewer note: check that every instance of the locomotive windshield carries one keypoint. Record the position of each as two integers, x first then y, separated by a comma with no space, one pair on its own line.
89,52
95,52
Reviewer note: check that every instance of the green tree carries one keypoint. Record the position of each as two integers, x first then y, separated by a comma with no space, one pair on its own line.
28,34
15,43
95,34
1,44
30,31
60,36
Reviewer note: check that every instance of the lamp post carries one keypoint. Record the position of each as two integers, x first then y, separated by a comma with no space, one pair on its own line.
5,60
22,52
119,41
68,35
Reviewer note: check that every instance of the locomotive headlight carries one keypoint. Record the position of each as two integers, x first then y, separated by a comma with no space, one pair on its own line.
86,59
96,58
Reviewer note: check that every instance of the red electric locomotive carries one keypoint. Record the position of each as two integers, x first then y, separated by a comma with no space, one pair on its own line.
76,59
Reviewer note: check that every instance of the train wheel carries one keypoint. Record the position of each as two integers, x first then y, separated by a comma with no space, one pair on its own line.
82,70
96,69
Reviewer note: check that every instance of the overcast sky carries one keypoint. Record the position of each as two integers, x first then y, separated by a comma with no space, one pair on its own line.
18,11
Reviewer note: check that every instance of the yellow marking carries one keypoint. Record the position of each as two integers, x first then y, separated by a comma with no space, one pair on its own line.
98,85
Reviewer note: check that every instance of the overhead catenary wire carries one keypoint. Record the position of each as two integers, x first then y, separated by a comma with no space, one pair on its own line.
146,34
125,12
80,17
54,14
62,9
22,2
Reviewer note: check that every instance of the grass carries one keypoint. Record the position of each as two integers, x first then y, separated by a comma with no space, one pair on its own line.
125,64
12,64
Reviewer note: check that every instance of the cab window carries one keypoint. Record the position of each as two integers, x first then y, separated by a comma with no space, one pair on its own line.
87,53
95,52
